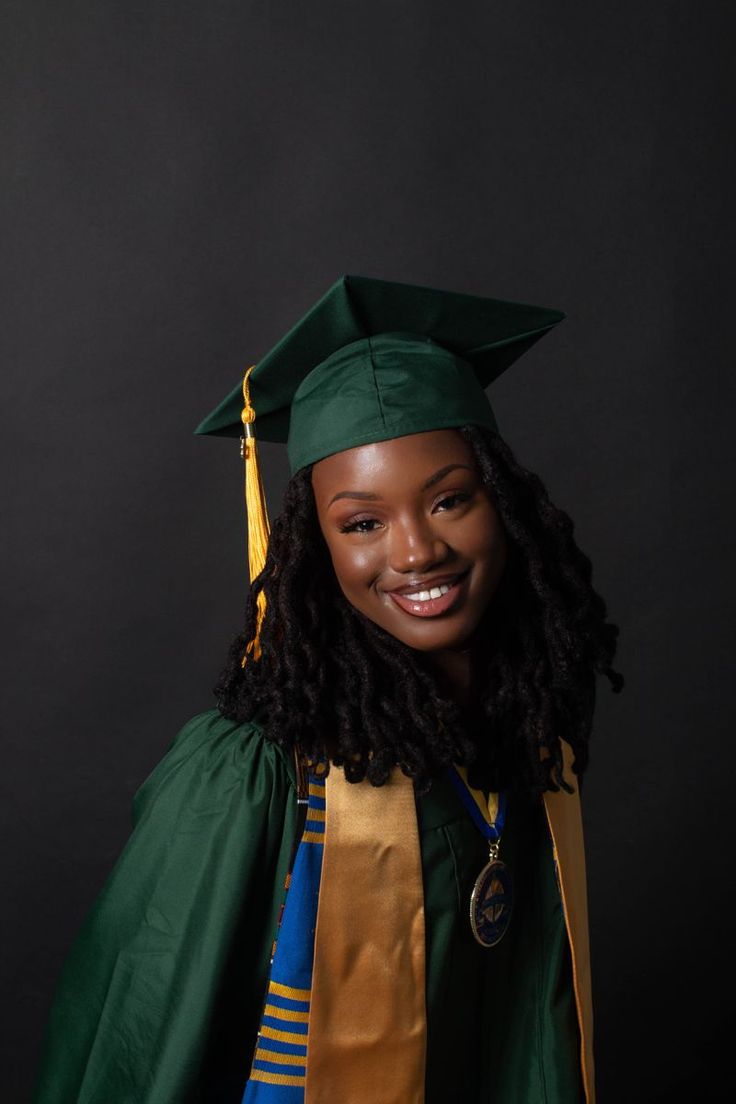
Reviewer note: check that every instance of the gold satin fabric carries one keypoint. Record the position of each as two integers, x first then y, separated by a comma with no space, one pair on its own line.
566,829
367,1022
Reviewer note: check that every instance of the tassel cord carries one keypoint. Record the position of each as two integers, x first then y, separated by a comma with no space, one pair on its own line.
259,528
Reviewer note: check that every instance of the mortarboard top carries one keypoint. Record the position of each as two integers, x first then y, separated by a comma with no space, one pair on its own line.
373,360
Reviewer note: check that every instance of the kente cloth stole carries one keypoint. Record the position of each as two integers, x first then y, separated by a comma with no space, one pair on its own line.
278,1071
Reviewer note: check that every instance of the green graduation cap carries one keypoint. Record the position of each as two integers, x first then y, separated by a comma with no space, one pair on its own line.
373,359
370,361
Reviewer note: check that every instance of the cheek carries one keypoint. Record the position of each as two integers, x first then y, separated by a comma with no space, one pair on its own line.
355,567
487,544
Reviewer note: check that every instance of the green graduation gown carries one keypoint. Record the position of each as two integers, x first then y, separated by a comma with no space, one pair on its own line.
160,997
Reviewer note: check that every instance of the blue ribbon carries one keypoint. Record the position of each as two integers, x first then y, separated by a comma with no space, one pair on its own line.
492,832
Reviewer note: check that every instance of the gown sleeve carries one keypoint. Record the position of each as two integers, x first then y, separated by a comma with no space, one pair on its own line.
159,997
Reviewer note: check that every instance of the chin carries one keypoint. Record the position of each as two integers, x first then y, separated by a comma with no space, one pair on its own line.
437,641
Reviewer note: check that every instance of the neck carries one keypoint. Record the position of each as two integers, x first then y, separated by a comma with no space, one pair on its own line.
454,669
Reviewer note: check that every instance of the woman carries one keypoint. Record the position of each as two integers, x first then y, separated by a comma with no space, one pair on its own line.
415,683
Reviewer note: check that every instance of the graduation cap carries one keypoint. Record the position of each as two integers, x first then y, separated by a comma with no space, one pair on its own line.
370,361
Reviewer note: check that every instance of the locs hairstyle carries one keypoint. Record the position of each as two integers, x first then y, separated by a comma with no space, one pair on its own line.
332,682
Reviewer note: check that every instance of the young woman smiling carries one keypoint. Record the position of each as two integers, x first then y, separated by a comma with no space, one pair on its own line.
360,879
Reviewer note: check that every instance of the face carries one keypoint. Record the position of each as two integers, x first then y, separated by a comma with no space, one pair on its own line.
415,539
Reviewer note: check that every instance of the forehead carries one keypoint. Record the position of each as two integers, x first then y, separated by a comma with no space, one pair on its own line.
402,461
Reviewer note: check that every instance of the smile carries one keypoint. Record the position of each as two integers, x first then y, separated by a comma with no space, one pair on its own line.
432,602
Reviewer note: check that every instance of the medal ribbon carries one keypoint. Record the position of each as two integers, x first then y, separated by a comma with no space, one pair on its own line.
489,816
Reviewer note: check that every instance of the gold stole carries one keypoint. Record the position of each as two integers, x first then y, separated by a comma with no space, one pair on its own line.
566,829
367,1023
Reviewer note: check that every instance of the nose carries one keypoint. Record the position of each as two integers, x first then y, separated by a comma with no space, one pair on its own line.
416,547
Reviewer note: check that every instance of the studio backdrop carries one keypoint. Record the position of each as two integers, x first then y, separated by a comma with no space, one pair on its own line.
181,181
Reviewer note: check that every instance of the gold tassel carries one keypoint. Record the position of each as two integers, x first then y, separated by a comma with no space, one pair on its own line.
257,515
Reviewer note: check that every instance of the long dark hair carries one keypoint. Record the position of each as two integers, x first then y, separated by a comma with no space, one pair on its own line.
330,681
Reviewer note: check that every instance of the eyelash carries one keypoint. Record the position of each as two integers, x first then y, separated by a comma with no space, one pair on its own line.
352,526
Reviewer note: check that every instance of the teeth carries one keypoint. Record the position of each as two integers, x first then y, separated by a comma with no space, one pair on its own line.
435,592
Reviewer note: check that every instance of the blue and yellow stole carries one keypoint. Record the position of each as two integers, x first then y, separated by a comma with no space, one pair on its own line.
278,1071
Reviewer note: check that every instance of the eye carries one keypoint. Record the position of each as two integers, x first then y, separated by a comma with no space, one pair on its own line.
453,500
356,526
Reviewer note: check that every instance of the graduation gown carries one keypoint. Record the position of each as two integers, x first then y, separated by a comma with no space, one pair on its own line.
160,996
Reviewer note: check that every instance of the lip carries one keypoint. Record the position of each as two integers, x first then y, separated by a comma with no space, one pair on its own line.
434,606
427,584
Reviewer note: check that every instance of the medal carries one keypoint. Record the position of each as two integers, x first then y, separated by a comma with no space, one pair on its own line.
492,899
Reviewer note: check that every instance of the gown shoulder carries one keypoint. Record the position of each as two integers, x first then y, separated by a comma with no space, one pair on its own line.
208,748
177,941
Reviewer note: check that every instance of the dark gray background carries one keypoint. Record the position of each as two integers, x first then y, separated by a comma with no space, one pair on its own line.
182,181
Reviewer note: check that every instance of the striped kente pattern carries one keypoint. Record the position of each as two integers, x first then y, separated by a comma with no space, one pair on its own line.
279,1067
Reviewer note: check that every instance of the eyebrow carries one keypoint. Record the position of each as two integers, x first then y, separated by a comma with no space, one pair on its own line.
438,475
367,496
